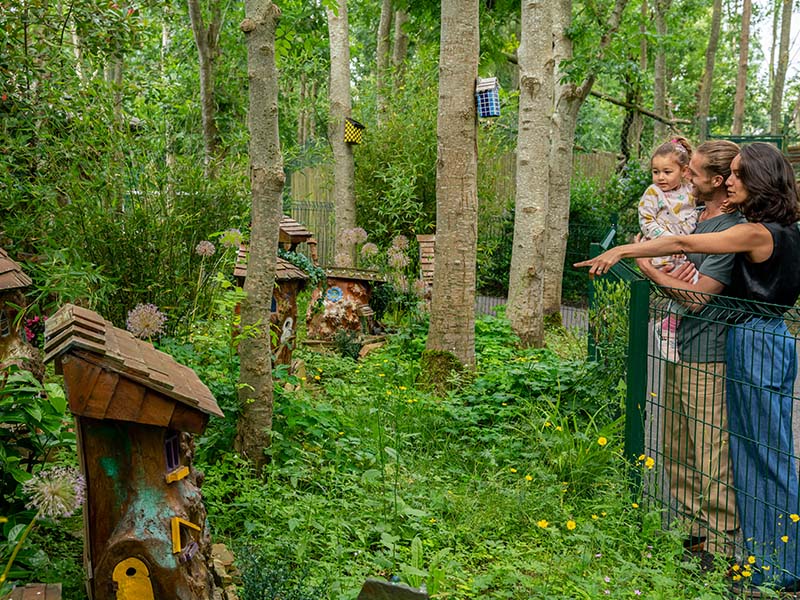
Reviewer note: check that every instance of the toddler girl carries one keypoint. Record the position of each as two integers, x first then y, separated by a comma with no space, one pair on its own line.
668,208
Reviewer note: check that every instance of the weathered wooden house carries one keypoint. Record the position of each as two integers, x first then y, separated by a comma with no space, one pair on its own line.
14,348
289,281
135,410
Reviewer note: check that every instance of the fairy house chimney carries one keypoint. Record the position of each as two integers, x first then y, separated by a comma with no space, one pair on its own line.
135,410
292,233
14,348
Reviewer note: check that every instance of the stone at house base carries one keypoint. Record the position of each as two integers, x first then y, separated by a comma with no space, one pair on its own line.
377,589
36,591
225,573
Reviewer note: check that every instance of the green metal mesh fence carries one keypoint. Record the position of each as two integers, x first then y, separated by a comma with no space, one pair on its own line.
710,425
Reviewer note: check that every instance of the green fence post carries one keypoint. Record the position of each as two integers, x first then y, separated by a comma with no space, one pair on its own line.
591,350
636,393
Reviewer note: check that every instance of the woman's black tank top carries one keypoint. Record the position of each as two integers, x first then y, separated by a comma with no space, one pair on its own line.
777,279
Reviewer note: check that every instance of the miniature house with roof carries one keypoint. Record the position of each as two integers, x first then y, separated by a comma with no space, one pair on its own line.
135,410
289,281
14,348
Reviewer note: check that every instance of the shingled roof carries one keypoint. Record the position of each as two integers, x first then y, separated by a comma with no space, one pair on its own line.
84,333
284,270
292,231
11,275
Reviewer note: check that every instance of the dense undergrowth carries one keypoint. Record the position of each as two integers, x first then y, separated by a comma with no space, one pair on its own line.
512,485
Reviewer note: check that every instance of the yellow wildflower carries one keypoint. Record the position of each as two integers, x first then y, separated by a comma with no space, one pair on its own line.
650,462
794,517
751,559
513,470
595,517
602,441
746,573
642,457
785,539
528,478
558,428
571,525
634,504
543,524
736,577
735,568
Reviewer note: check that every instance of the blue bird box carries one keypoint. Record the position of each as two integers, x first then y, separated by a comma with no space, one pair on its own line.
487,97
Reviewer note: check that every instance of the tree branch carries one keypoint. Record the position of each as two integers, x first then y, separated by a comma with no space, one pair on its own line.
644,111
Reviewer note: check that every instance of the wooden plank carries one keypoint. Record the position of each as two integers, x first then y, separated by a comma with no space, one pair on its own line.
126,403
80,378
100,396
188,419
156,409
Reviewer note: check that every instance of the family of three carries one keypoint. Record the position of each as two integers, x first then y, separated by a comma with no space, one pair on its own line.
729,387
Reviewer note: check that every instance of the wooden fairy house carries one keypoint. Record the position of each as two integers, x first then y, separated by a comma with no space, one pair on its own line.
14,347
343,304
135,410
292,233
289,281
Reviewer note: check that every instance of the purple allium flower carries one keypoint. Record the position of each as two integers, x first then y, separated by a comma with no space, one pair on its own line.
145,321
369,249
420,288
400,242
356,235
397,258
205,249
231,238
56,493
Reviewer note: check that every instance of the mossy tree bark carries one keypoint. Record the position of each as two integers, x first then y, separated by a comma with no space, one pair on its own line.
266,182
568,99
526,276
206,38
740,96
776,111
344,193
452,324
707,82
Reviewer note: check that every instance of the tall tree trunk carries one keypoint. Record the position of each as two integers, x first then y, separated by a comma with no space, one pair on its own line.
399,47
776,17
344,195
526,276
206,39
741,73
776,113
266,184
382,66
166,43
302,115
707,82
637,122
660,70
452,324
568,99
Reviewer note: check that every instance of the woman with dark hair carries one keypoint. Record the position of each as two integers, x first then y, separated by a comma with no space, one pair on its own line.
761,354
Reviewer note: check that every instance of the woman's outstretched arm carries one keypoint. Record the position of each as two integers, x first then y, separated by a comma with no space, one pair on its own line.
752,239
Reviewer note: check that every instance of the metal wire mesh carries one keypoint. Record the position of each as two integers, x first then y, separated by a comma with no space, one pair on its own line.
711,428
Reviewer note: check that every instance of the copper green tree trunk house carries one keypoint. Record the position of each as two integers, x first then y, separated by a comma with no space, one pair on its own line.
135,411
